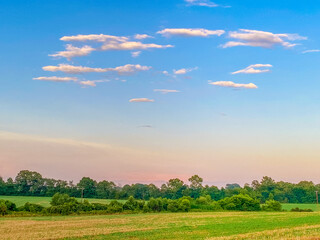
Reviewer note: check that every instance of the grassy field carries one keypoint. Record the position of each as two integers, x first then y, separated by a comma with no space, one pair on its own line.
289,206
213,225
45,201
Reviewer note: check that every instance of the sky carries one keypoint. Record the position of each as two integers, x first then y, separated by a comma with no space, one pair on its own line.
149,90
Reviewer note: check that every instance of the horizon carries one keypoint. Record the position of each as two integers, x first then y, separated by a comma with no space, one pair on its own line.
149,91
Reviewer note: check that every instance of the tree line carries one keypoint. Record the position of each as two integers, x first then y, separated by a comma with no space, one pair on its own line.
31,183
63,204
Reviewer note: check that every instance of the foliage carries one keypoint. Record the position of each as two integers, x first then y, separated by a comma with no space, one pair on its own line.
240,203
271,206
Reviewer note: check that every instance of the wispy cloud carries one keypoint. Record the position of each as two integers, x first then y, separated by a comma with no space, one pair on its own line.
56,79
256,38
66,68
141,100
184,70
72,51
135,54
203,3
165,91
92,83
311,51
145,126
142,36
131,45
93,37
190,32
233,85
255,69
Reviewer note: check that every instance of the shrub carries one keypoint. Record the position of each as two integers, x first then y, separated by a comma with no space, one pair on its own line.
240,203
99,206
10,205
133,204
3,209
31,207
60,199
173,205
115,207
155,205
184,205
301,210
271,206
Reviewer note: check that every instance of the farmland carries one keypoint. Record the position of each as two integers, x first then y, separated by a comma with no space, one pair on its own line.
45,201
213,225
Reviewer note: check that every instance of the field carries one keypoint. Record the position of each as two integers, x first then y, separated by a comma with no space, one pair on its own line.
45,201
214,226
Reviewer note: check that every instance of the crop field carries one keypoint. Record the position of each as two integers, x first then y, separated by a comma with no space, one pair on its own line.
45,201
210,225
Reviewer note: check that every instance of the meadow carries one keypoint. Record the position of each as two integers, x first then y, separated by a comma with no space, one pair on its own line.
45,201
209,225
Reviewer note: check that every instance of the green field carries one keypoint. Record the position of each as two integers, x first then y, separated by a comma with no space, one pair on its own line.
210,225
289,206
45,201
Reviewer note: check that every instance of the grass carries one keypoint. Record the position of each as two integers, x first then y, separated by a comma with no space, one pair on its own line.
289,206
45,201
213,226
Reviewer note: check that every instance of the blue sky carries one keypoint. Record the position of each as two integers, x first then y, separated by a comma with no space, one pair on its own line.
113,124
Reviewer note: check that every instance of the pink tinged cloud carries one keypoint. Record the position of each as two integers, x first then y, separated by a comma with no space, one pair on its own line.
254,38
254,69
72,51
234,85
140,100
56,79
190,32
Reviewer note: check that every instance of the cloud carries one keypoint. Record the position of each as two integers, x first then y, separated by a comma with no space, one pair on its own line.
141,100
56,79
145,126
126,69
203,3
92,83
233,85
72,51
311,51
142,36
135,54
184,70
130,45
190,32
165,91
66,68
129,69
256,38
93,37
254,69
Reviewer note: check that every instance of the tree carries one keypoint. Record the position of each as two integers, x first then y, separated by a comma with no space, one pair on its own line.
29,183
89,187
106,190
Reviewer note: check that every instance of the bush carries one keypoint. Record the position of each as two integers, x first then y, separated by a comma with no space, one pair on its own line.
9,205
60,199
173,205
31,207
3,209
184,205
155,205
133,204
301,210
115,207
99,206
271,206
240,203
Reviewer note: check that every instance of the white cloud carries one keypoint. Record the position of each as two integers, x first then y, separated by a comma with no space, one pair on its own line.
233,85
142,36
56,79
92,83
203,3
254,69
141,100
256,38
129,69
72,51
135,54
165,91
93,37
190,32
311,51
184,70
130,45
66,68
